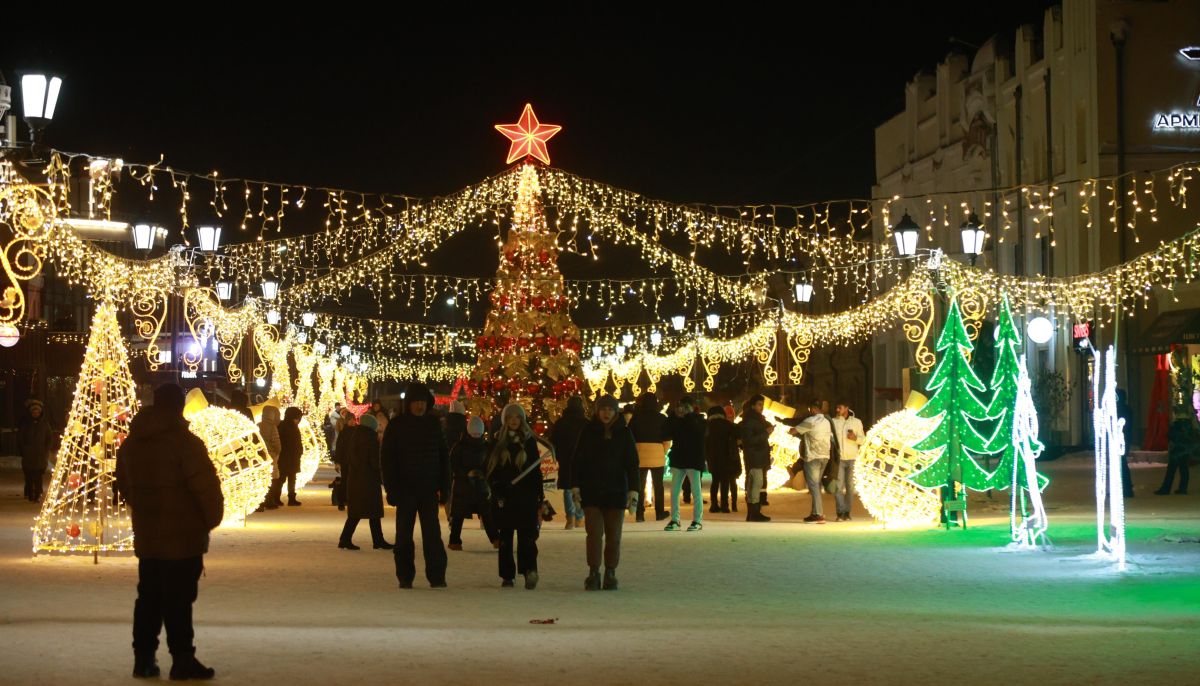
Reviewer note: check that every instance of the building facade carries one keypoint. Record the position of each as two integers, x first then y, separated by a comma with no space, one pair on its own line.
1011,132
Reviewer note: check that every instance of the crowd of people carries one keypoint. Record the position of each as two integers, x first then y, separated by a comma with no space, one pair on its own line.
419,462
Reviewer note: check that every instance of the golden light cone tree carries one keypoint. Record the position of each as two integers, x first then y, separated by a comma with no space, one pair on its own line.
529,349
81,512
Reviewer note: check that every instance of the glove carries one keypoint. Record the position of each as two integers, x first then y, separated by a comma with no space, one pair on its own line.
391,500
575,496
632,502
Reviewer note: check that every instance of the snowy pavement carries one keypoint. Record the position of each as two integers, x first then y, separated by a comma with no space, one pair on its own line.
736,603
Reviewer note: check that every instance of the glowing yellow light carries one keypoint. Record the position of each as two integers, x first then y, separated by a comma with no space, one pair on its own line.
78,513
240,456
886,460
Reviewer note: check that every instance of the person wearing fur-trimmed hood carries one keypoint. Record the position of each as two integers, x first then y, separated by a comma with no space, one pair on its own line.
514,476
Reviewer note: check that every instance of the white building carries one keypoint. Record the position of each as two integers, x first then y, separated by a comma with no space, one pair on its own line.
1038,108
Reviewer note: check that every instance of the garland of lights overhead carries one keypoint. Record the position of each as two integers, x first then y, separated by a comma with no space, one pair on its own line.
362,244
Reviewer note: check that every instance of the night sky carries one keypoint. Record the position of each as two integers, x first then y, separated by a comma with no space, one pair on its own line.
726,108
722,107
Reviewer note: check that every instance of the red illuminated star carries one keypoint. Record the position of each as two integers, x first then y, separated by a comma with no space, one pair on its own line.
528,137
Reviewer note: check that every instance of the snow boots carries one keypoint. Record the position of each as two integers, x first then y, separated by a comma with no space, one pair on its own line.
754,513
145,667
188,667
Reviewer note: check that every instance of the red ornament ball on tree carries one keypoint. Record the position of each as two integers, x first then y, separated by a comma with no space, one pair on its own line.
73,531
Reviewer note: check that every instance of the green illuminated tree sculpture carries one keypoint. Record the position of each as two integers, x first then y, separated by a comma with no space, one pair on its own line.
1004,402
954,403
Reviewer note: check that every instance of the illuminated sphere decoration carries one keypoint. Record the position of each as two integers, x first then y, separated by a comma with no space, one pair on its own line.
9,335
237,451
886,460
314,452
1041,330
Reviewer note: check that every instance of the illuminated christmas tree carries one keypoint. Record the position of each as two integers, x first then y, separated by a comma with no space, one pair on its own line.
80,512
957,408
1014,450
530,348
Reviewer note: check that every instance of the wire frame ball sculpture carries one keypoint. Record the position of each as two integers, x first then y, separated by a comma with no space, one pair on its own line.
314,452
240,456
885,461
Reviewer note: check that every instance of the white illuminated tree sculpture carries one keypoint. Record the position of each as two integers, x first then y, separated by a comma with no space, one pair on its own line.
1030,532
1108,429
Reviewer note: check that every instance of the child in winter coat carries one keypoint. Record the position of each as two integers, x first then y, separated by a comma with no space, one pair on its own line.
468,488
515,477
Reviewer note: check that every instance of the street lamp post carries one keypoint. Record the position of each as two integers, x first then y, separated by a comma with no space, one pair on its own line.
143,236
906,233
210,238
973,237
804,291
39,93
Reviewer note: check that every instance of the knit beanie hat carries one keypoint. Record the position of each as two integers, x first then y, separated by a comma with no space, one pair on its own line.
475,427
609,402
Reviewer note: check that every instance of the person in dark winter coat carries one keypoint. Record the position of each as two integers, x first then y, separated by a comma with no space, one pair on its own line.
416,477
755,431
1183,439
357,454
468,489
35,440
724,463
603,483
174,497
649,427
514,476
455,423
687,461
564,436
291,448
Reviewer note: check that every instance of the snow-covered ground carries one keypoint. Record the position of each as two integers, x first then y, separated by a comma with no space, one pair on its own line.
736,603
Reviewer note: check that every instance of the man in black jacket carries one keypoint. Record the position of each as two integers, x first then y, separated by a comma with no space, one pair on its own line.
416,477
174,497
687,461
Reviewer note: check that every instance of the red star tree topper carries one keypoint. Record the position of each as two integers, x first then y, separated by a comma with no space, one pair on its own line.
528,137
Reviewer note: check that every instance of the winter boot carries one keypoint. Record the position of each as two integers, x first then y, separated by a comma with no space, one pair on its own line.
754,513
531,579
592,582
145,667
189,667
610,580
